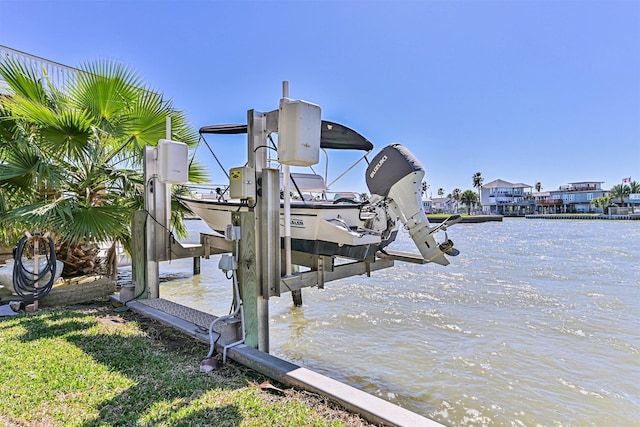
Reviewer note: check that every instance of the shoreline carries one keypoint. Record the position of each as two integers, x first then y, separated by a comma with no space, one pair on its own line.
582,216
468,219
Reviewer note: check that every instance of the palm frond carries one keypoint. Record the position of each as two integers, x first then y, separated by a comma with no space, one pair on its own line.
22,79
71,159
28,109
69,133
198,172
39,214
93,224
75,223
149,121
19,169
64,130
106,89
181,130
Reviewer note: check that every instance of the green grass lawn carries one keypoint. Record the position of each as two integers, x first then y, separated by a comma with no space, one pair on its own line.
91,366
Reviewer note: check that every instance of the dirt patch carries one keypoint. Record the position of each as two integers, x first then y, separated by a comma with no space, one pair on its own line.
170,338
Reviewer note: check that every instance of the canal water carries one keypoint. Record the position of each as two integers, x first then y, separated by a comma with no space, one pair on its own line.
535,323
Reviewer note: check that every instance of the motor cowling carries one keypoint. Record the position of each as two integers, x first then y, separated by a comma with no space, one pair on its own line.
388,167
396,175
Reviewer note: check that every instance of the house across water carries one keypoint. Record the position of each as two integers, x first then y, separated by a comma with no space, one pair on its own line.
505,198
501,197
574,197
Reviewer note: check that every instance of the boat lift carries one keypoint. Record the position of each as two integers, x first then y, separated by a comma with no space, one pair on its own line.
264,268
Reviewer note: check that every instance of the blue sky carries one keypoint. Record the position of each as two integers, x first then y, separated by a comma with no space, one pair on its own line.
523,91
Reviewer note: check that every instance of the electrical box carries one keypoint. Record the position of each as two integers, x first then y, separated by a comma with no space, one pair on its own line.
299,128
232,233
242,183
173,161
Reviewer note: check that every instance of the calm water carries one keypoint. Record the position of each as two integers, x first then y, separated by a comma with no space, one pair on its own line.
536,323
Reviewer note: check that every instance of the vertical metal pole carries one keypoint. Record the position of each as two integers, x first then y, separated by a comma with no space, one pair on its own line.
196,265
268,227
257,152
151,206
287,219
164,242
139,257
157,203
287,203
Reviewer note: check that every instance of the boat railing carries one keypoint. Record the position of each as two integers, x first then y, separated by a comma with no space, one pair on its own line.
209,191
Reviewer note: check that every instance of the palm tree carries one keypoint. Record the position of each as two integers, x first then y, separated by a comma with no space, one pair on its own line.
440,191
477,182
620,191
72,158
538,186
469,198
602,202
634,188
425,187
455,194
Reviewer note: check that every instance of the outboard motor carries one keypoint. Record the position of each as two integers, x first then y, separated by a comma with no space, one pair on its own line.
396,175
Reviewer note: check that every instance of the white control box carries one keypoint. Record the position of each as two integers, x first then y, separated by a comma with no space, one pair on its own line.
299,127
242,183
173,161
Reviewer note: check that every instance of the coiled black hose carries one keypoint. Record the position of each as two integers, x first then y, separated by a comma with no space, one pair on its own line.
25,283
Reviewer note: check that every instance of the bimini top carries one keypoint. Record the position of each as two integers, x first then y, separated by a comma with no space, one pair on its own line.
333,135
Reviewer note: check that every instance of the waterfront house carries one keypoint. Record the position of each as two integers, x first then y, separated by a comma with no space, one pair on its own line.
545,203
634,201
427,205
574,197
442,205
505,198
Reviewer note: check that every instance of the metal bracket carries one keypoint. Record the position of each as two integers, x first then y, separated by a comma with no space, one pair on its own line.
312,278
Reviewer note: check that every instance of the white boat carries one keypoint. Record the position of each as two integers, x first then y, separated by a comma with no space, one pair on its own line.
344,227
318,227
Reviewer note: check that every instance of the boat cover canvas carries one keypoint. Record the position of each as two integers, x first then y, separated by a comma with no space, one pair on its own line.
333,135
388,167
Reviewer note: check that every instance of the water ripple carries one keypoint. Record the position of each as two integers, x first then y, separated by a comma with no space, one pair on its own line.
534,324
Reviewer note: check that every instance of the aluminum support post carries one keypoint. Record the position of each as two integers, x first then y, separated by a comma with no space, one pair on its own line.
269,231
152,191
257,158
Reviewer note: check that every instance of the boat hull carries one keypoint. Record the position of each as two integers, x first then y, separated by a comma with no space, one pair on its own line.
321,228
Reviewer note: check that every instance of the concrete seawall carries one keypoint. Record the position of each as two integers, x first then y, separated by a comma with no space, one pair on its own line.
196,323
470,219
569,216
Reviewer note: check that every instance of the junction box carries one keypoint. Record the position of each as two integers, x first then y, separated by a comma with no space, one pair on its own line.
299,128
242,183
173,161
